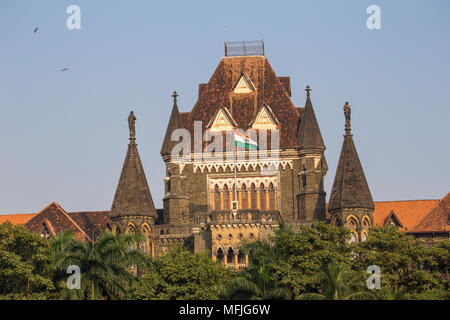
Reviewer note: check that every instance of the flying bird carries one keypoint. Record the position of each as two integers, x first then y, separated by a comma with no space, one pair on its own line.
36,29
65,69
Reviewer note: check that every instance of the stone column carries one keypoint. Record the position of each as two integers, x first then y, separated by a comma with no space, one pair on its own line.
214,257
246,260
267,199
236,265
221,201
225,259
213,202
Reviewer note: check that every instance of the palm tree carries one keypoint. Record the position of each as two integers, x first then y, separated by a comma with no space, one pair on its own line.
339,283
389,293
104,264
255,282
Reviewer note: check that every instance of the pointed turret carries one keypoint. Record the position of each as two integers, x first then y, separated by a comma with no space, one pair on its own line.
132,198
174,123
309,136
350,188
313,167
351,202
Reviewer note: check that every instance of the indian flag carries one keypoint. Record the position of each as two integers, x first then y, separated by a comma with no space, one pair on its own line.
242,141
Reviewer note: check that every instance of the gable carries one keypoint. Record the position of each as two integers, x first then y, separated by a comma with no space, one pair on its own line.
244,85
222,121
265,119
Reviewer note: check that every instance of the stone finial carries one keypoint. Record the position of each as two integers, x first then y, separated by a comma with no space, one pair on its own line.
308,90
175,95
131,126
347,113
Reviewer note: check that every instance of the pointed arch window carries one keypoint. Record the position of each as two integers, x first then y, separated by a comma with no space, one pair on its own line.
45,232
226,198
253,196
262,202
271,197
244,197
216,198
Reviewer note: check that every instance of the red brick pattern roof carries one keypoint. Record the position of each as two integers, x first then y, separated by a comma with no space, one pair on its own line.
270,89
409,212
437,220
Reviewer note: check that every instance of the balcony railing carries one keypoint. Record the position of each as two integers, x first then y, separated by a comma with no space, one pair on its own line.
244,48
245,216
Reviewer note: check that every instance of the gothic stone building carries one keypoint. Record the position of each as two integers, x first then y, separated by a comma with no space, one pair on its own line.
284,184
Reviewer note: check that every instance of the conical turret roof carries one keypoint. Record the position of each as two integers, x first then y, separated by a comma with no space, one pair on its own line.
350,188
174,123
309,136
133,197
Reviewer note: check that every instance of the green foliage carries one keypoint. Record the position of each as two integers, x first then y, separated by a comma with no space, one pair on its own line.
180,274
339,282
404,262
255,282
104,265
301,256
25,264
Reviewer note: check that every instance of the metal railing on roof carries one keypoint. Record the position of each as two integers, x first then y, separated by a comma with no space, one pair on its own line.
244,48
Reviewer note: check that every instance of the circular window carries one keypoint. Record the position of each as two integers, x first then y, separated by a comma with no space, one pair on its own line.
240,236
230,236
251,235
219,237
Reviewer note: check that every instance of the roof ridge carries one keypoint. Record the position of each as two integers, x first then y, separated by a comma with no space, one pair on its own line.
429,212
407,200
74,223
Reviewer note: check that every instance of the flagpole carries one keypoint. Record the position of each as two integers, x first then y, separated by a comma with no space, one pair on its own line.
235,170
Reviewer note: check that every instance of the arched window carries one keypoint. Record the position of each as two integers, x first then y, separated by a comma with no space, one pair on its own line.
220,255
168,182
271,197
262,203
230,257
363,236
241,260
216,198
131,229
45,233
244,197
353,237
253,196
234,193
226,198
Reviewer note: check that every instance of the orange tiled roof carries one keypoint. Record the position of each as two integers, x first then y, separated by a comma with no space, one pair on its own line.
437,220
409,212
17,219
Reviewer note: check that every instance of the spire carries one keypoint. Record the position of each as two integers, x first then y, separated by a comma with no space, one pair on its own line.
350,188
174,123
133,196
309,136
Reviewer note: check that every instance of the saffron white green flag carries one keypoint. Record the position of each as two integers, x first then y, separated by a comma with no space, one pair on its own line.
242,141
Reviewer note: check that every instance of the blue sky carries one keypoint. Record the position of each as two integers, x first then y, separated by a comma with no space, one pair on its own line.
63,135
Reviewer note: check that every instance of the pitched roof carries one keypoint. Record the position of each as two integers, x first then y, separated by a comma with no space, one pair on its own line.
175,122
309,136
408,212
93,223
437,220
133,196
16,219
57,220
269,89
350,188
